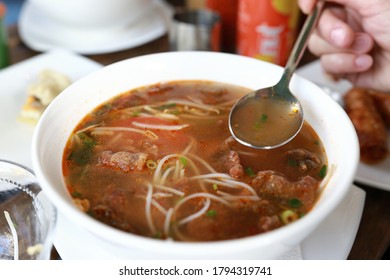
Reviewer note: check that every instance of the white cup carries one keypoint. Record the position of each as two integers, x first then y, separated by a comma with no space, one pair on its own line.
92,14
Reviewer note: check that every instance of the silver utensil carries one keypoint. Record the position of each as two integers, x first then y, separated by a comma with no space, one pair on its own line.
270,117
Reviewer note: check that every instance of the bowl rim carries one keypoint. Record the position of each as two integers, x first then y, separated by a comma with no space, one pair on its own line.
122,238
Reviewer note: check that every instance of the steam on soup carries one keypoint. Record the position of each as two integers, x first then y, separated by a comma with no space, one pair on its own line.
159,161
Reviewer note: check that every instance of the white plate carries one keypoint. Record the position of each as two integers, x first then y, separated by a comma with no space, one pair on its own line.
42,34
332,240
372,175
15,140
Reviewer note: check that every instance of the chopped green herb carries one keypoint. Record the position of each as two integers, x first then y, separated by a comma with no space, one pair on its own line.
76,194
183,161
317,142
174,112
249,171
294,203
158,235
166,106
259,123
211,213
215,187
102,110
322,172
136,113
151,164
288,216
81,155
292,162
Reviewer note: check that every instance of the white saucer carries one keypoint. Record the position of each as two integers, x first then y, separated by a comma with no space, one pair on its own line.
42,34
332,240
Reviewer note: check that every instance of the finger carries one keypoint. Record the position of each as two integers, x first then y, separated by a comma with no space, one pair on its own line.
346,63
306,5
362,43
334,29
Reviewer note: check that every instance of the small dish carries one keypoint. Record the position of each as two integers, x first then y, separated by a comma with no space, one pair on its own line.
42,34
15,145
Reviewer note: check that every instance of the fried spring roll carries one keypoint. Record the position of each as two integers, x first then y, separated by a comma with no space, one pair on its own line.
382,103
369,125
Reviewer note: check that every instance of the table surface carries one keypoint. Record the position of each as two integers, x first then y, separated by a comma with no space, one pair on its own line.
373,237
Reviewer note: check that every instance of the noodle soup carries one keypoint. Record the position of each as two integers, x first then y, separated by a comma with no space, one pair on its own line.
159,161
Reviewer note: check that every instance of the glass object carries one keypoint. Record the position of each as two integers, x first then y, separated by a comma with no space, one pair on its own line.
27,218
195,30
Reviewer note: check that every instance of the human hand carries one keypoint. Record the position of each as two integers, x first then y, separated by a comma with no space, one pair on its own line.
353,40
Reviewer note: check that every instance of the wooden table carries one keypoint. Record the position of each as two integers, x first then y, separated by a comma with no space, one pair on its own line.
373,237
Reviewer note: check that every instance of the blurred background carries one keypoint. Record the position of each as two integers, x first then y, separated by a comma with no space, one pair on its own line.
13,10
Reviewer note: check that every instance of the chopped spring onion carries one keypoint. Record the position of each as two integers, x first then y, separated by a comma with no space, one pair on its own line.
215,187
259,123
183,161
322,172
136,113
249,171
76,194
211,213
157,235
292,162
294,203
151,164
166,106
288,216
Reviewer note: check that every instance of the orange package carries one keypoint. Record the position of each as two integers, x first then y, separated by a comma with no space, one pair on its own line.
266,29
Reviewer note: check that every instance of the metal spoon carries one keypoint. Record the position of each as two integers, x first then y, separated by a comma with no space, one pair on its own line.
270,117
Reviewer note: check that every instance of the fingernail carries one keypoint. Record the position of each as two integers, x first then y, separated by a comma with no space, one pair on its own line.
363,61
338,36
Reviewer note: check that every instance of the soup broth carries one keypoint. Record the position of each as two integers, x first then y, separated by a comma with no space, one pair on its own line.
159,161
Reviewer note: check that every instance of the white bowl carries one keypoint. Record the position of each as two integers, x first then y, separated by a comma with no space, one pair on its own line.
323,114
92,14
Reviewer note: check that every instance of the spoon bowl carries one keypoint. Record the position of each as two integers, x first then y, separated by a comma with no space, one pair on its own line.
270,117
266,118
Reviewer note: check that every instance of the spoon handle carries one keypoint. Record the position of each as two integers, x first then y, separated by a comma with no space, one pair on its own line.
301,42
